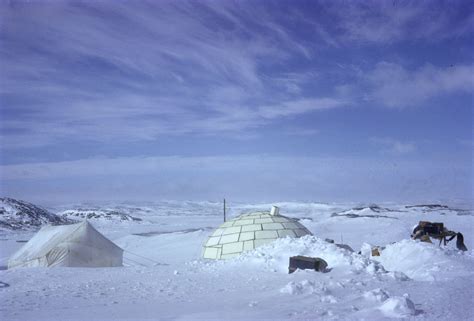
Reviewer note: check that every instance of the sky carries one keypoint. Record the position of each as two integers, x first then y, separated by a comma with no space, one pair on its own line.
360,101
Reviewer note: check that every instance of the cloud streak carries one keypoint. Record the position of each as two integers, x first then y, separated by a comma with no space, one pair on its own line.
103,72
392,85
393,146
389,22
138,72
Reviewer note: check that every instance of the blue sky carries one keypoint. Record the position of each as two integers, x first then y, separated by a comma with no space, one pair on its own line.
253,100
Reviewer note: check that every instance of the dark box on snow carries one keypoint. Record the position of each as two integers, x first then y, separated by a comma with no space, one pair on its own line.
306,262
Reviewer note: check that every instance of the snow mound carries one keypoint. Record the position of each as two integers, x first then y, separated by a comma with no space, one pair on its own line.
304,287
21,215
376,295
418,260
398,307
307,287
275,256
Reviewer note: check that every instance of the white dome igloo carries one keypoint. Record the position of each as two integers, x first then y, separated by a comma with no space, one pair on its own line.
249,231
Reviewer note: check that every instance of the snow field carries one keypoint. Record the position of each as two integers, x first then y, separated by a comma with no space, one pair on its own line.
165,278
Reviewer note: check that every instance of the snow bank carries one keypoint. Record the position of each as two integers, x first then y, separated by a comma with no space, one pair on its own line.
393,307
398,307
275,256
418,260
376,295
304,287
308,287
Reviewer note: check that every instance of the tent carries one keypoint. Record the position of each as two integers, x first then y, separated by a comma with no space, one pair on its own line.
75,245
249,231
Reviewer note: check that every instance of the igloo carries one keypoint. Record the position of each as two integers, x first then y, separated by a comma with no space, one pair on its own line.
249,231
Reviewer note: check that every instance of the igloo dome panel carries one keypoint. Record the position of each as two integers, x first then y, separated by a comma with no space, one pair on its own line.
249,231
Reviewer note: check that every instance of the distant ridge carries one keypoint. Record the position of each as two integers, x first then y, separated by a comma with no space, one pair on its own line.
22,215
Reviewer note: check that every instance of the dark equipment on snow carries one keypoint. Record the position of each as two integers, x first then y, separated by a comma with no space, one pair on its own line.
424,230
305,262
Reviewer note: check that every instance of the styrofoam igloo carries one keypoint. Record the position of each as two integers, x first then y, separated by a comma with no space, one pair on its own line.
249,231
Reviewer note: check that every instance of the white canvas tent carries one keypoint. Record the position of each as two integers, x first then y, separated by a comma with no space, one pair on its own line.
76,245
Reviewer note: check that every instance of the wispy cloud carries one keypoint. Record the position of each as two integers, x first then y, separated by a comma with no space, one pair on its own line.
301,131
93,71
298,107
392,85
388,22
393,146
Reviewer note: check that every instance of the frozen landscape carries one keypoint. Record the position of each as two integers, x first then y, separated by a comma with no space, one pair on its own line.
164,276
124,125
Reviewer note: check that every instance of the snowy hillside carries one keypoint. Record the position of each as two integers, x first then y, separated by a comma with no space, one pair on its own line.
16,214
165,278
97,213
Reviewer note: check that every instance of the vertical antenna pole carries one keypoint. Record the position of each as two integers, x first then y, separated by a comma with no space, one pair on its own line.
224,209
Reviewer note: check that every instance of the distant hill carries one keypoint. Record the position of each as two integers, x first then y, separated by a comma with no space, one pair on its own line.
98,214
21,215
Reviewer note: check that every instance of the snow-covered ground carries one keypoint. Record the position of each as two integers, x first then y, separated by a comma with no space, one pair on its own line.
165,278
